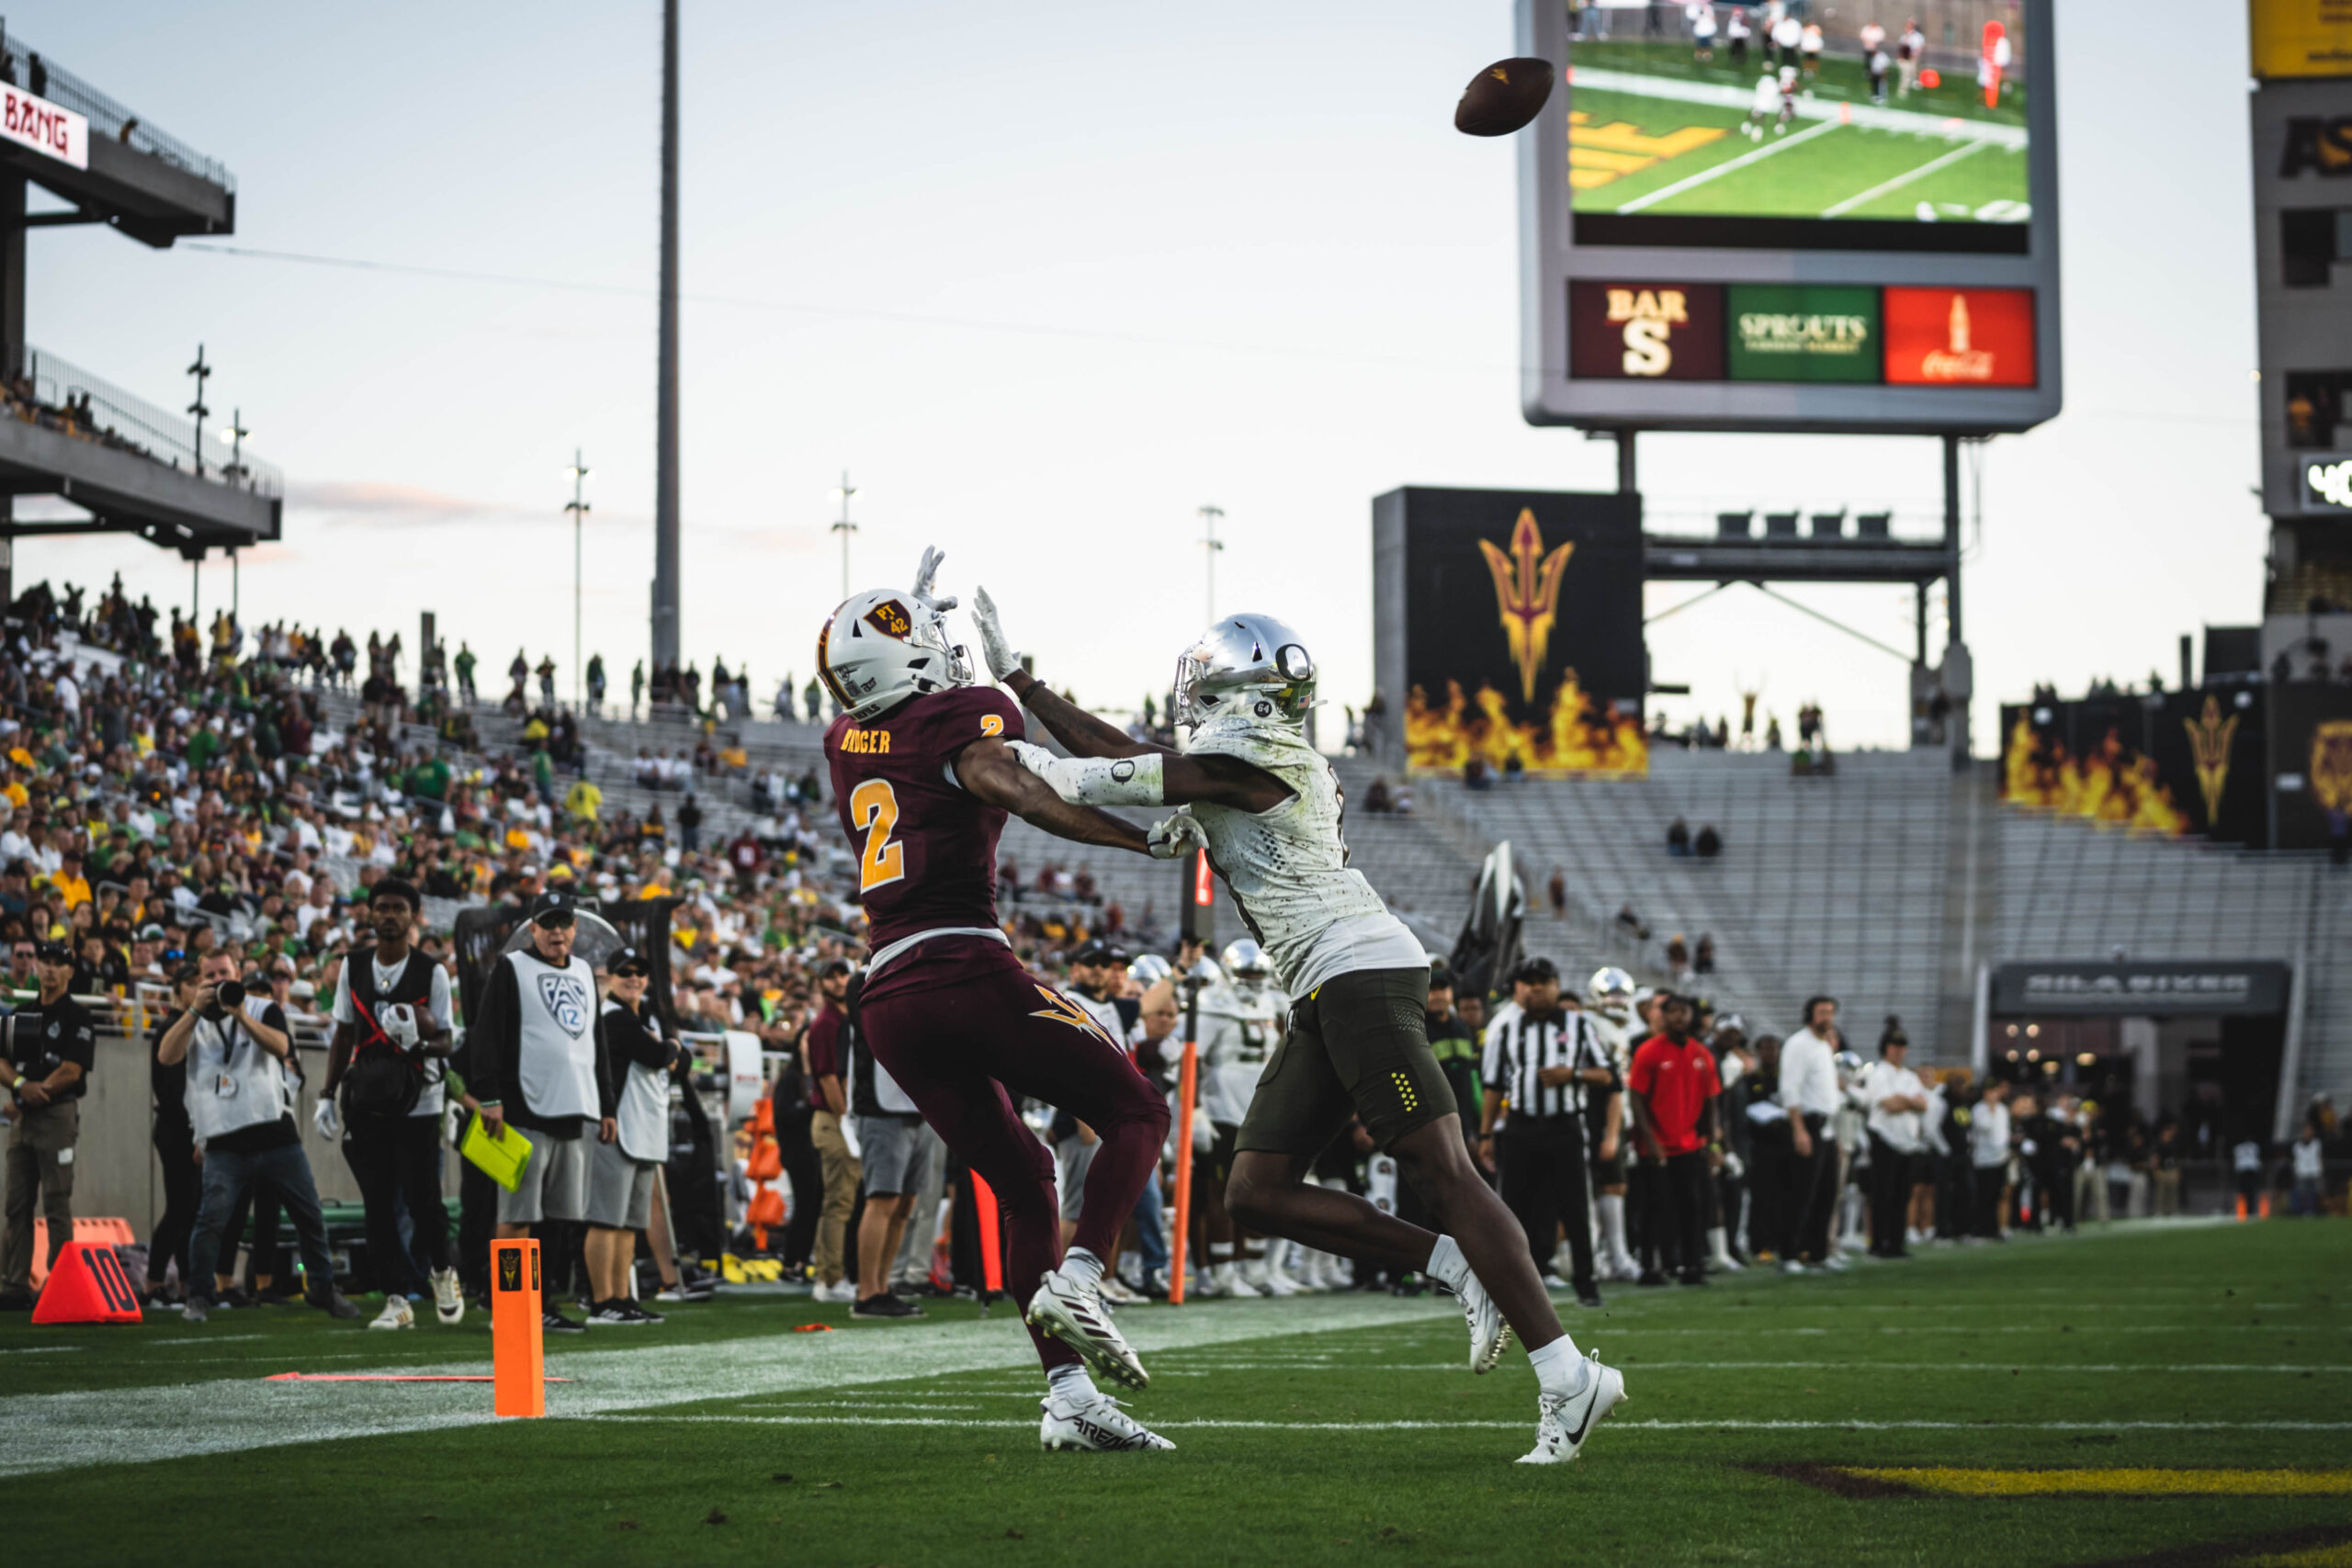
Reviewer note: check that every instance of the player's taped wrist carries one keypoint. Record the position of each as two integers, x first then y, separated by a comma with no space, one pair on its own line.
1097,781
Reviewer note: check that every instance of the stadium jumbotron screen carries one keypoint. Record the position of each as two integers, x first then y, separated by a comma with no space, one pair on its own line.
1845,129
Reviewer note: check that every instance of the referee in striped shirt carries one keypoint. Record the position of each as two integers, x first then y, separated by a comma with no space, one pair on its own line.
1539,1057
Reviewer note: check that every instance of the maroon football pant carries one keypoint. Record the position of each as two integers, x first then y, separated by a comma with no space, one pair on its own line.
964,1028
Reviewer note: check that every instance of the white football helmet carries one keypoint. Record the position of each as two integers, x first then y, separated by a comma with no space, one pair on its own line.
1149,969
1247,671
882,646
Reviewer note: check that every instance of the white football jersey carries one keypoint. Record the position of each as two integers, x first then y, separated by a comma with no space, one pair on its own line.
1238,1031
1288,871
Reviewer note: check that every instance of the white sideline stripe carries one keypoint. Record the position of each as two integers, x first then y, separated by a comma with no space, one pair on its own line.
1778,144
1951,128
38,1350
1899,181
2004,1367
133,1426
1615,1425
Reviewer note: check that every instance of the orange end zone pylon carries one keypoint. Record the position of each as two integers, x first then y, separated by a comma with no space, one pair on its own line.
519,1358
1185,1083
992,1236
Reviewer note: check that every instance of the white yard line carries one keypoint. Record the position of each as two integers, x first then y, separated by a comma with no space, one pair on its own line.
130,1426
1899,181
1613,1425
1951,128
2005,1369
1778,144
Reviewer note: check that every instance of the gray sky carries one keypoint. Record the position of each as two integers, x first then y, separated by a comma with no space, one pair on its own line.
1045,277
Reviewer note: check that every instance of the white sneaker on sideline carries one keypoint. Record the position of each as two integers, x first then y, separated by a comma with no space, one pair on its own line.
449,1301
1095,1423
1232,1282
1274,1282
1488,1332
1114,1291
841,1292
1074,1315
1790,1266
396,1314
1564,1420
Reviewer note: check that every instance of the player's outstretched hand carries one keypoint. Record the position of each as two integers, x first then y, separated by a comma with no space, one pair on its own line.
931,555
1172,836
994,648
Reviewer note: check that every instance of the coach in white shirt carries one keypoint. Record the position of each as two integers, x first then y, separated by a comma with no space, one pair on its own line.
1809,1094
1895,1100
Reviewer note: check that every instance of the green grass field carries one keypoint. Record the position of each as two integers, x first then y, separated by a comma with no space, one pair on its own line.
1630,150
1334,1429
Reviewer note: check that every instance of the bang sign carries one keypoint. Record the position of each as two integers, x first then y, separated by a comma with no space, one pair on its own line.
890,618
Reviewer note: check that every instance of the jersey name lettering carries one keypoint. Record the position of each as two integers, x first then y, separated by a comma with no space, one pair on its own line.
866,742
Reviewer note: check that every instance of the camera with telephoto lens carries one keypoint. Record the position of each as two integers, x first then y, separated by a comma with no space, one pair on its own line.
229,995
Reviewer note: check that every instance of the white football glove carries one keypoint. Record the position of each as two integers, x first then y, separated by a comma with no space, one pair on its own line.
994,648
1172,836
1203,1133
931,555
399,1020
327,1120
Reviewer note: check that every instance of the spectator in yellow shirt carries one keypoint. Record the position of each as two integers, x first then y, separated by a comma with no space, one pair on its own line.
583,800
70,884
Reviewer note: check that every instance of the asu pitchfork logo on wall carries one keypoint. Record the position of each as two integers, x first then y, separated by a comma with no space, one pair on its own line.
1527,595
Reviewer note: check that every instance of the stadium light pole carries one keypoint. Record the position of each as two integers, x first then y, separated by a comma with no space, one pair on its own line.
666,615
200,370
1211,546
844,527
578,507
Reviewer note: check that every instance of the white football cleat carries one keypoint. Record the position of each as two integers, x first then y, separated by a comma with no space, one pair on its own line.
1114,1291
1272,1282
1231,1281
449,1301
1094,1422
1488,1332
396,1314
1564,1420
1075,1314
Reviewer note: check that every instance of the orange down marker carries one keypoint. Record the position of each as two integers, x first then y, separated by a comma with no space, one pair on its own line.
519,1356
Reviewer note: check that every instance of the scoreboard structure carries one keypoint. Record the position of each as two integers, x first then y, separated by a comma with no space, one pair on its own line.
1857,233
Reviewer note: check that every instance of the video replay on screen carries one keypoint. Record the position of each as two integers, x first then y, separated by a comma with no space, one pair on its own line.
1801,122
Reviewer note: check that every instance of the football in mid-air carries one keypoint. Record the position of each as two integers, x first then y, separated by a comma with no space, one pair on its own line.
1504,96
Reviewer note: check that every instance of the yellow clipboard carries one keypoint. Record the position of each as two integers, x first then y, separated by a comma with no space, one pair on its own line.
501,1159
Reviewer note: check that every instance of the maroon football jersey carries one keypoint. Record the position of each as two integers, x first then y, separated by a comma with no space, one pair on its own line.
926,850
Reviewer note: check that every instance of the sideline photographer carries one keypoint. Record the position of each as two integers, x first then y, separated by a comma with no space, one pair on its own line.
383,1098
52,1043
236,1047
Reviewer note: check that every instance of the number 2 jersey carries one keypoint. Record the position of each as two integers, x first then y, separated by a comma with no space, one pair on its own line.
926,850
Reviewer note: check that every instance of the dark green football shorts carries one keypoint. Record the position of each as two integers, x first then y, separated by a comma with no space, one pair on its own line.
1357,1044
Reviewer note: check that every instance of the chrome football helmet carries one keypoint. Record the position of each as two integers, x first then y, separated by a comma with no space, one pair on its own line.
883,646
1247,669
1149,970
1246,962
1610,987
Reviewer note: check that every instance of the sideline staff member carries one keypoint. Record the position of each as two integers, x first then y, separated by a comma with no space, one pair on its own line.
52,1045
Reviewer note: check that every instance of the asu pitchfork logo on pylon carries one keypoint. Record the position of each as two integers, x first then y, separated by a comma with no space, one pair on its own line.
1527,595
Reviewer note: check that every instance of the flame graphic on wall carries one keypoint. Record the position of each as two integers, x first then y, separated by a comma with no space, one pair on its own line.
2114,786
1578,736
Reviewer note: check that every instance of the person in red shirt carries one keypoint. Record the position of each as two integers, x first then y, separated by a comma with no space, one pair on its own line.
1672,1085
